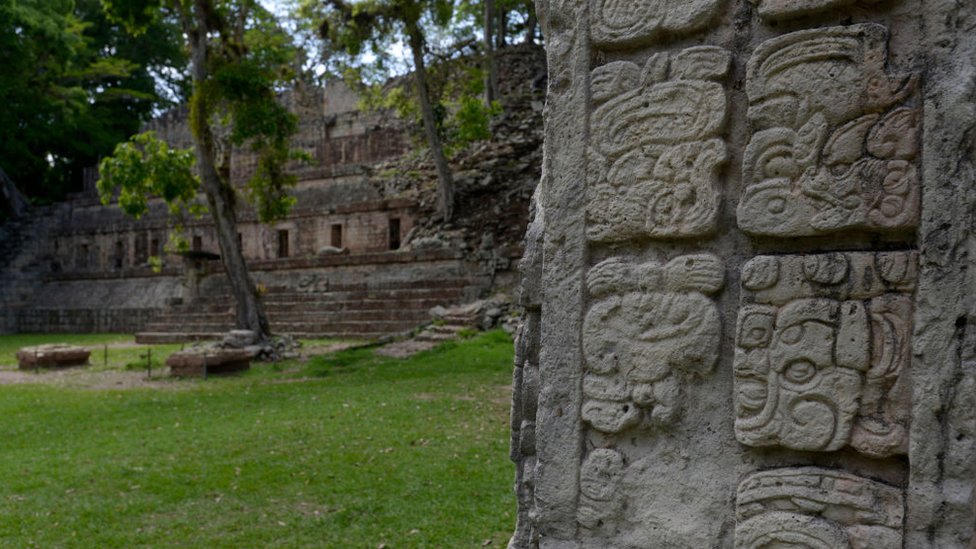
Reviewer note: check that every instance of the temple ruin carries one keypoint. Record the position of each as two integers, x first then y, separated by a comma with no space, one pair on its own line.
357,256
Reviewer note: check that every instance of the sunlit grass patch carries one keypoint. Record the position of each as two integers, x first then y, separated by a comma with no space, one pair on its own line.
345,450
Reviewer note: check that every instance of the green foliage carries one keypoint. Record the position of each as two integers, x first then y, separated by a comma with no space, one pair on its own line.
177,241
146,167
136,15
470,122
74,85
370,451
250,59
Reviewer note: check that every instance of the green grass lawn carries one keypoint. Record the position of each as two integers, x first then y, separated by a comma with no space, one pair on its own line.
344,450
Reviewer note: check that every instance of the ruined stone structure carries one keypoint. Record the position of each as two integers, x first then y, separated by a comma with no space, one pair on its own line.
748,282
351,259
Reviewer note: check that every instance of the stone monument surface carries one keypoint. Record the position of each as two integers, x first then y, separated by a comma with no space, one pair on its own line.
202,362
52,355
750,312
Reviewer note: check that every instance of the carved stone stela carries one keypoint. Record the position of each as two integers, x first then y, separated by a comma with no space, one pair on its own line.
756,278
650,327
822,350
656,150
834,144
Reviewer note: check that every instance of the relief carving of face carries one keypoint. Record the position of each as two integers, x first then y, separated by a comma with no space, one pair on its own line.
798,373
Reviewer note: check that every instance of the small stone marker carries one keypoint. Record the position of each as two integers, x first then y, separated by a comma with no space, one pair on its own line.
54,355
203,362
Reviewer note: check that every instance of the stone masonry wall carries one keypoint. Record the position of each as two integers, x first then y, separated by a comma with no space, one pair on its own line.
84,321
748,283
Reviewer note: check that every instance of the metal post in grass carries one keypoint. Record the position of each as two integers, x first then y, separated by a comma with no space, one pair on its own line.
204,364
105,355
37,365
149,363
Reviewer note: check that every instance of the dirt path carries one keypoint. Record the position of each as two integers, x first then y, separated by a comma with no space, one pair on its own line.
86,378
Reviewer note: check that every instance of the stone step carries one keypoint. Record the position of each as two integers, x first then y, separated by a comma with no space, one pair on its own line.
378,326
156,338
344,305
352,295
381,326
303,315
371,286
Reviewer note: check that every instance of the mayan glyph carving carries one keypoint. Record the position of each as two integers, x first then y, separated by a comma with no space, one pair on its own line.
617,23
600,499
814,508
834,144
783,9
650,326
655,151
822,349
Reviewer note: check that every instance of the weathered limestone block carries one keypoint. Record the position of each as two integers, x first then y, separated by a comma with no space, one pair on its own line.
656,151
208,361
650,327
53,355
525,381
834,142
822,352
814,508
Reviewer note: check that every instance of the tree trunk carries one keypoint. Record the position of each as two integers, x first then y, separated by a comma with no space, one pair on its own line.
220,195
14,201
445,194
491,78
502,28
530,25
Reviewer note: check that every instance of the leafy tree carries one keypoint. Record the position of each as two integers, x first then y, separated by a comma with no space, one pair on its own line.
239,58
73,85
373,26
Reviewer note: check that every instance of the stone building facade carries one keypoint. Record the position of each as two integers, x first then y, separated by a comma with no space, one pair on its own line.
749,280
80,266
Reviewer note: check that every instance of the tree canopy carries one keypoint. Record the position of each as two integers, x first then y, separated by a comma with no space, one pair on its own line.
74,84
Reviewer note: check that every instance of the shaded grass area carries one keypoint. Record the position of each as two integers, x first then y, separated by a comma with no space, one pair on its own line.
346,450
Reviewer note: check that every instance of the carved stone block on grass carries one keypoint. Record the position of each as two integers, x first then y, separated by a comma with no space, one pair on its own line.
197,363
54,355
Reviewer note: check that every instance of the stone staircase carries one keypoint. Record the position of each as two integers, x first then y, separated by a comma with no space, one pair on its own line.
358,311
24,259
